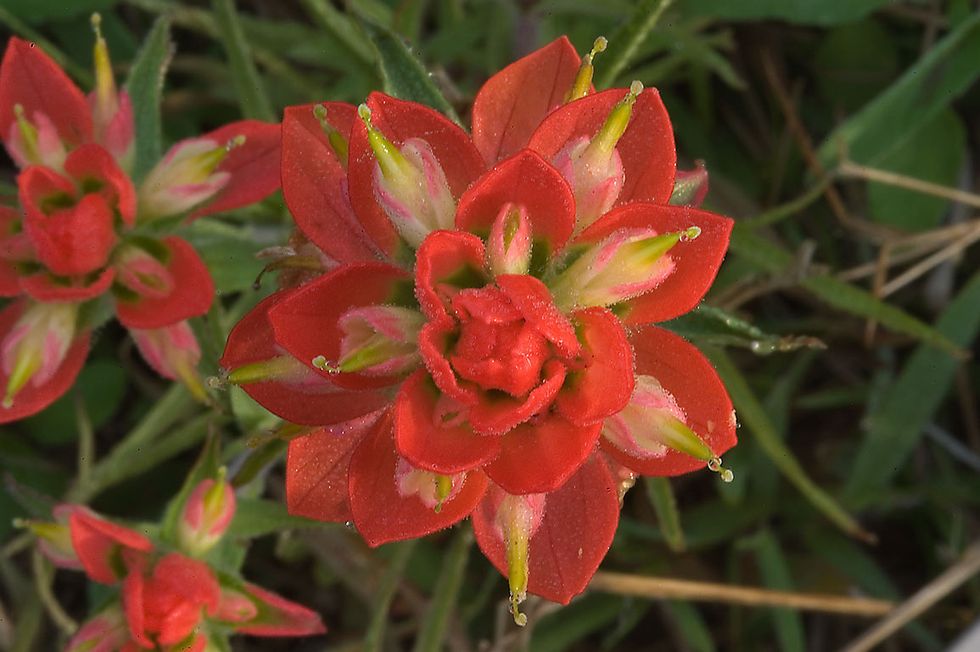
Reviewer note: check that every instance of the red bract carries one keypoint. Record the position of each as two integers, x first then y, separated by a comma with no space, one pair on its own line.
74,238
168,601
488,320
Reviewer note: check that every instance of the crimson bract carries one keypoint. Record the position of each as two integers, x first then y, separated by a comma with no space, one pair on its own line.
88,231
480,343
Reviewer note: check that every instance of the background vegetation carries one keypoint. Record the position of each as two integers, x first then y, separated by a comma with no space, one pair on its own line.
843,137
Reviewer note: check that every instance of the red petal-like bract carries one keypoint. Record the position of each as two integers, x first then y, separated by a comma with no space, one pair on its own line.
381,514
30,78
683,371
579,522
279,617
31,399
696,261
513,102
314,183
526,180
253,165
604,386
193,291
73,240
429,445
399,121
539,456
313,402
646,148
316,470
99,544
93,164
44,287
532,298
306,322
445,258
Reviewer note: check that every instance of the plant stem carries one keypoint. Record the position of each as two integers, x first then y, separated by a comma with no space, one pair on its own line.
445,595
386,592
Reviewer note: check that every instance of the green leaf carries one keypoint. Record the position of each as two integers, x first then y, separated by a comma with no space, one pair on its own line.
255,517
752,414
919,95
772,258
403,74
934,153
145,85
340,28
895,425
807,12
854,63
664,503
690,625
775,575
249,86
229,253
627,39
714,326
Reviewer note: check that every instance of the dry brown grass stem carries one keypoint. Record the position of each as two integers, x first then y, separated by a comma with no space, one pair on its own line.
850,169
926,597
664,588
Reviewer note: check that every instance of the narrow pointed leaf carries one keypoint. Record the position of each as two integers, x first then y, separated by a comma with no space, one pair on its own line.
897,423
145,85
403,74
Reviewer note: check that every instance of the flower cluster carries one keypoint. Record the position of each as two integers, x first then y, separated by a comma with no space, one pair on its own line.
170,600
88,234
481,342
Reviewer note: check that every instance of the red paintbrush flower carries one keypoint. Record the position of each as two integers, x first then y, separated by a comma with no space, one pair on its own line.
486,317
75,238
168,601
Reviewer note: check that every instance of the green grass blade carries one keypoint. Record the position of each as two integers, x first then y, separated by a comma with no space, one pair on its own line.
664,503
926,88
249,86
773,259
145,86
339,27
775,574
627,39
445,596
374,637
691,625
752,414
896,425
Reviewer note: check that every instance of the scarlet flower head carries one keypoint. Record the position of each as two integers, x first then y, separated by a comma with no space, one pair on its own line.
76,237
517,271
168,600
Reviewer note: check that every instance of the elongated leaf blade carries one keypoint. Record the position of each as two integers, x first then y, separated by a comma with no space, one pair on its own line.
926,88
403,74
896,425
145,87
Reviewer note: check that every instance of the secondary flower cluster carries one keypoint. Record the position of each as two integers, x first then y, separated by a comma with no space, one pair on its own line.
170,600
88,234
480,343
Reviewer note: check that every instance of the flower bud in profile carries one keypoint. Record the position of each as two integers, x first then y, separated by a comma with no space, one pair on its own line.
207,515
106,632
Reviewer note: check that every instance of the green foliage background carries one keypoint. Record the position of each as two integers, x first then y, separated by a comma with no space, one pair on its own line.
849,431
